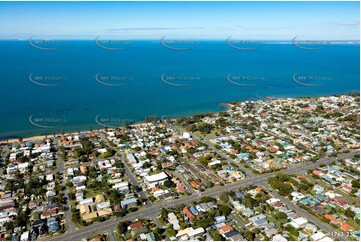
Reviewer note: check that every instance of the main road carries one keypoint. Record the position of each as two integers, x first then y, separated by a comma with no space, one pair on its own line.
155,209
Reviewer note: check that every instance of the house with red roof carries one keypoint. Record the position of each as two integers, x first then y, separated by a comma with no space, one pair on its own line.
272,149
225,229
346,227
180,188
341,202
317,172
188,213
195,184
332,219
136,225
347,188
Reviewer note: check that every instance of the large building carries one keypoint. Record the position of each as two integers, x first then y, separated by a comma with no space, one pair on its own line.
155,180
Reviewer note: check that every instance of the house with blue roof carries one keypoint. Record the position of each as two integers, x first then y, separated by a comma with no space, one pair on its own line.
125,203
194,210
242,156
318,189
240,195
53,224
307,201
322,197
329,179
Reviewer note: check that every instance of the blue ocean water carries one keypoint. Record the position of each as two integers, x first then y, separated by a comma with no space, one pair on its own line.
197,81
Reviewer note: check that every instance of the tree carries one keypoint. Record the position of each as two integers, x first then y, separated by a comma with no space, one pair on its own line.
169,183
205,128
123,227
224,210
216,236
280,215
207,199
249,235
164,213
170,232
349,213
224,197
355,183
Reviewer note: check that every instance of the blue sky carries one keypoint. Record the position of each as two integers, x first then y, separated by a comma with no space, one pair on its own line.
198,20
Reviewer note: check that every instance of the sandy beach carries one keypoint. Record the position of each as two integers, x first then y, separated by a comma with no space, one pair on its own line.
41,137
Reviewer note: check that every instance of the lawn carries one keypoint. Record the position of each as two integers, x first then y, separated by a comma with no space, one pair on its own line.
92,192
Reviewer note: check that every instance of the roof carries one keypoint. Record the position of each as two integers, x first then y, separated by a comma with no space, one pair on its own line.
318,236
105,212
88,216
84,209
346,227
150,236
279,237
136,225
332,218
156,177
225,228
99,198
300,221
128,201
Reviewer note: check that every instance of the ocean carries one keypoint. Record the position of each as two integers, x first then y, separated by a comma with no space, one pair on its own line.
78,85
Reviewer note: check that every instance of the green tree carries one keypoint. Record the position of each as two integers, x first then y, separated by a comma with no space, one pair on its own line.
249,235
224,210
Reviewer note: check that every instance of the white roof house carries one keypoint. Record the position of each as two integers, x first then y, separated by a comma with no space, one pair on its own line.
131,158
24,236
154,180
103,205
318,236
120,185
186,135
86,201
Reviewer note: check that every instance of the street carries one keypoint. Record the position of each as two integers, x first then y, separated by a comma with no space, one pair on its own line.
154,210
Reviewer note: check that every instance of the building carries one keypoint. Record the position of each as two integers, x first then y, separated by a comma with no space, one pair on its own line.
155,180
188,213
128,203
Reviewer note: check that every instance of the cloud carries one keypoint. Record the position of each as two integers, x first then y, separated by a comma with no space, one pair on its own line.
354,23
269,28
150,28
264,28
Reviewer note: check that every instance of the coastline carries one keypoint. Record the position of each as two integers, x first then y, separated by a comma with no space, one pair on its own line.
226,105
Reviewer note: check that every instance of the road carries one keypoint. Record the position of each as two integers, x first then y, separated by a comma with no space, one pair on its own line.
184,182
157,223
220,153
135,182
154,210
239,222
325,227
67,208
111,235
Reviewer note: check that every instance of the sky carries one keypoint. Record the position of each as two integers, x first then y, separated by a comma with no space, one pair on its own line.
195,20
